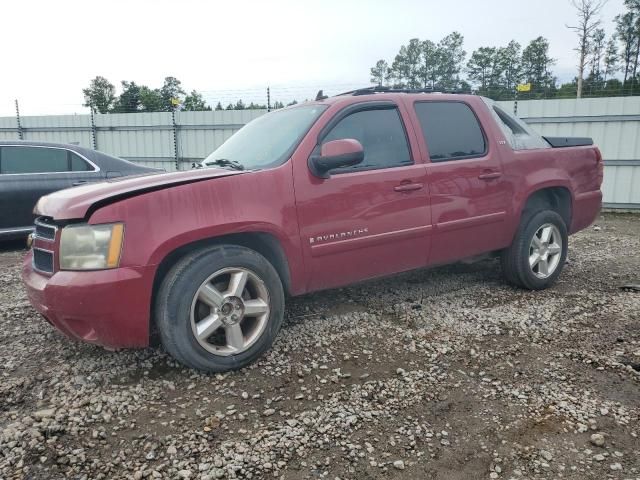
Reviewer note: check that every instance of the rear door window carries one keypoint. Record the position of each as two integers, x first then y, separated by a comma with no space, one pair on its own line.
33,160
451,131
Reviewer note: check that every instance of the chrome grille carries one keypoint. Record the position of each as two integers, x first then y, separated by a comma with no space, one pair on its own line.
45,230
43,260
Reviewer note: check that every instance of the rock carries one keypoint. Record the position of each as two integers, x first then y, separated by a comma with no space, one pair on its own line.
268,412
399,464
546,455
597,439
599,457
46,413
184,474
171,450
615,466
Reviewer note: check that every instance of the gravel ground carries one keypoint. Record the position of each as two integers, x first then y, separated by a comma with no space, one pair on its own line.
436,374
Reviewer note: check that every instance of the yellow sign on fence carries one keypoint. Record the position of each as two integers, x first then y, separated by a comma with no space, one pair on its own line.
524,87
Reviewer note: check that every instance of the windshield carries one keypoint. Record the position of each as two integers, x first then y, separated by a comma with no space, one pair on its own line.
267,141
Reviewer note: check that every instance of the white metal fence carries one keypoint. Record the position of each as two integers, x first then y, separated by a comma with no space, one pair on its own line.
170,142
614,125
153,139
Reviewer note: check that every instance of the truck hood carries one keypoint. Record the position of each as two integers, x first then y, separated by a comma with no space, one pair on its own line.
78,202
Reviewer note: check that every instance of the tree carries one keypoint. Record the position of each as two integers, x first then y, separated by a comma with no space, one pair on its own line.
610,59
597,51
100,94
626,31
239,105
450,59
481,65
634,7
588,22
277,105
129,100
195,103
379,72
171,89
219,106
429,64
511,59
536,64
151,100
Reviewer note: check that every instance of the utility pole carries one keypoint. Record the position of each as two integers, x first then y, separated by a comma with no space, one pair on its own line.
268,99
175,138
20,132
94,139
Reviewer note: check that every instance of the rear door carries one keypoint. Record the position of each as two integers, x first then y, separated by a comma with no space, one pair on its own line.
370,219
28,172
469,195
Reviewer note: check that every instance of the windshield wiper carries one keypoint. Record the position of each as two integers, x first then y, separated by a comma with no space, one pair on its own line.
225,162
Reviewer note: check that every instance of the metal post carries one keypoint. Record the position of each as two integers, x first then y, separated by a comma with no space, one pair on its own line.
175,138
268,99
94,139
20,132
515,103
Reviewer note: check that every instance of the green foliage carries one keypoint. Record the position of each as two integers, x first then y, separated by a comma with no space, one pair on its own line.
151,100
195,103
100,94
171,89
424,64
129,100
379,72
536,67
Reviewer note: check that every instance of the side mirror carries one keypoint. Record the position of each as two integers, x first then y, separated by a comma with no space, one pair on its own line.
335,154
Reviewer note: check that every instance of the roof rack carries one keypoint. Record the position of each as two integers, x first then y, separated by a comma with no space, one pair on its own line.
383,89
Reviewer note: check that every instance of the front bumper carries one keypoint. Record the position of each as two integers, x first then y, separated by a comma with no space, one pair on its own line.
106,307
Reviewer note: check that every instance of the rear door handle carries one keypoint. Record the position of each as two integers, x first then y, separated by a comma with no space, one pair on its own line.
79,182
489,175
408,187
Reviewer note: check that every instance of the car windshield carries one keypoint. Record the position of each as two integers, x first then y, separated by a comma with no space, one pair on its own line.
267,141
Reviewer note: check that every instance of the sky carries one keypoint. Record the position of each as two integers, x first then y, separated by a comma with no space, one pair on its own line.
51,49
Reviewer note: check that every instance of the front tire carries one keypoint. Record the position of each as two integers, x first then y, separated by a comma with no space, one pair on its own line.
538,253
219,308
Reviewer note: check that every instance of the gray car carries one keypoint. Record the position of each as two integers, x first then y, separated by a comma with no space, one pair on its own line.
29,170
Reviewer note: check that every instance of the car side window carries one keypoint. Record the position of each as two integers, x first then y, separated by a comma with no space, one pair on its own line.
451,130
382,135
78,164
33,160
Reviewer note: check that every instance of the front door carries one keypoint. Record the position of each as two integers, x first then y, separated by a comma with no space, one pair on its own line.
371,219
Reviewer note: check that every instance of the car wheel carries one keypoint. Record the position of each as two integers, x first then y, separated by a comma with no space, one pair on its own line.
219,308
537,255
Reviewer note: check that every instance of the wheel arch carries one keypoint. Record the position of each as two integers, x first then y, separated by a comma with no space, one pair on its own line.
554,197
266,244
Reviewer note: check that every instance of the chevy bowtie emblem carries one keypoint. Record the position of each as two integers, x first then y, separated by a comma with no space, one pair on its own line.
339,235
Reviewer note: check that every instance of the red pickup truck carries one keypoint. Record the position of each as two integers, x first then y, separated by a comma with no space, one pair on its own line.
317,196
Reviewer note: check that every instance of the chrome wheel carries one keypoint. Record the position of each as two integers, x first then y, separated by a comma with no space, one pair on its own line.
229,311
545,251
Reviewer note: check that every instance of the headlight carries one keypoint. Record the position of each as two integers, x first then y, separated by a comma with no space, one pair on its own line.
91,247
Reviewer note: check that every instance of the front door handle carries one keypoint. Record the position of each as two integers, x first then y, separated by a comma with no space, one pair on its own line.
408,187
79,182
489,175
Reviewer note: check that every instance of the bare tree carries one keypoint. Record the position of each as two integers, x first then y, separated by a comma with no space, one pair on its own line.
588,21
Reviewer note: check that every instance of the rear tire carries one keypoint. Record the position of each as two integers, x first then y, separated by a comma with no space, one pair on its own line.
537,255
219,308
